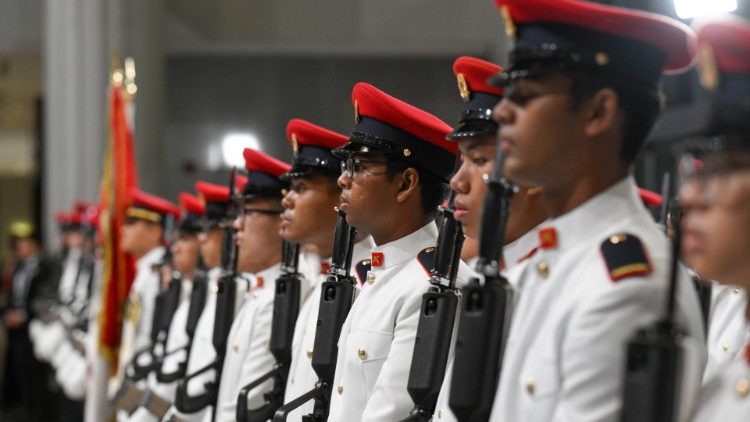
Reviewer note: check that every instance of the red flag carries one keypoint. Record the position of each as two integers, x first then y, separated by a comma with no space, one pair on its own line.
119,268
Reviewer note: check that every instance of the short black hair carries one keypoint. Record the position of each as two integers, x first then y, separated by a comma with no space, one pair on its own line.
641,105
433,190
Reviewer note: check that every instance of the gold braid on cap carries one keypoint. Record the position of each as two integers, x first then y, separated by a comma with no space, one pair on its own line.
142,214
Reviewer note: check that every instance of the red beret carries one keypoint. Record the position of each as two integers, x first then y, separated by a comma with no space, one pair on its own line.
479,97
312,145
191,204
388,125
264,175
149,207
651,199
729,41
609,33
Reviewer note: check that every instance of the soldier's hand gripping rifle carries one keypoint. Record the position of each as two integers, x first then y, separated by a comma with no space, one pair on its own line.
336,299
436,321
654,356
285,311
225,304
485,311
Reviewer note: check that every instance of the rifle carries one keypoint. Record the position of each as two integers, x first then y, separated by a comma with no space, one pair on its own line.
285,310
436,320
197,303
654,357
336,299
225,303
165,305
485,310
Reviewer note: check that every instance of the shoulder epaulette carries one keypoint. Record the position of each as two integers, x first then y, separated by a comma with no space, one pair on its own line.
426,257
625,256
361,269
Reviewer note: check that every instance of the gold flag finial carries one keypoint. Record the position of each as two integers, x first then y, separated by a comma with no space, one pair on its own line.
708,71
510,26
130,86
463,87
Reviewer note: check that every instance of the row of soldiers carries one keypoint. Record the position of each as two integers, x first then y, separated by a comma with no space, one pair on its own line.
324,289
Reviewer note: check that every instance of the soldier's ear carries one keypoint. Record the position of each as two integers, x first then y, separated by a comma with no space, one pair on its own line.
409,184
603,113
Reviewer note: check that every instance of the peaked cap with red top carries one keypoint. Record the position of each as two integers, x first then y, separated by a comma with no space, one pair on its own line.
724,68
264,175
479,97
215,199
151,208
565,34
312,145
68,221
192,210
387,125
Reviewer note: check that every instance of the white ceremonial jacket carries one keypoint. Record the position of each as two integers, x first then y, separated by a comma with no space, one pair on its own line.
726,396
514,254
565,355
248,356
202,350
377,339
302,377
136,327
727,327
177,339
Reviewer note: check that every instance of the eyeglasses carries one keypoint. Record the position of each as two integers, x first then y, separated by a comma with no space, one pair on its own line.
354,165
207,226
714,180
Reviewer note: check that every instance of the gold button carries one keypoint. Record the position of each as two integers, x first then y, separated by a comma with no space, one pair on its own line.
362,354
530,386
340,390
440,413
235,348
743,387
309,353
370,278
736,291
215,288
543,269
617,238
725,346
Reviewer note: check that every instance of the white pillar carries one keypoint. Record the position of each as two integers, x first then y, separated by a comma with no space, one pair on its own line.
75,74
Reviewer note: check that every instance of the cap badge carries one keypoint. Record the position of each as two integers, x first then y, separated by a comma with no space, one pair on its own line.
602,58
407,152
463,88
356,112
295,145
510,26
707,69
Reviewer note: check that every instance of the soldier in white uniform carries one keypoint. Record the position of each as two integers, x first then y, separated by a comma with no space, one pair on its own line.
142,236
202,352
309,219
185,262
580,100
715,197
475,136
396,171
248,356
